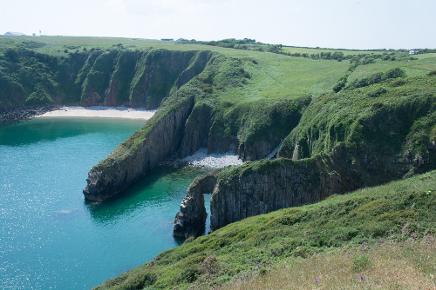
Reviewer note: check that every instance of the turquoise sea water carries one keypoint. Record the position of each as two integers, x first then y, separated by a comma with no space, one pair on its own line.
49,237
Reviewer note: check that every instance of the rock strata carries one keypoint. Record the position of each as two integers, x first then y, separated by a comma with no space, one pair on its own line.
141,153
264,186
191,219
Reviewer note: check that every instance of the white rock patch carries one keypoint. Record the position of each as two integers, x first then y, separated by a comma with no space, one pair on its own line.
202,159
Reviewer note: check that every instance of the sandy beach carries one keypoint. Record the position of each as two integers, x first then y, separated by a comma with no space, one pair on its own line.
99,112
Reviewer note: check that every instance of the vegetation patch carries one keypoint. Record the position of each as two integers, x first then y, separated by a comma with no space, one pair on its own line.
378,78
395,211
383,265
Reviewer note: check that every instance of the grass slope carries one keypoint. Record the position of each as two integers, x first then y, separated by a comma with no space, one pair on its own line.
272,75
353,116
421,65
396,211
386,265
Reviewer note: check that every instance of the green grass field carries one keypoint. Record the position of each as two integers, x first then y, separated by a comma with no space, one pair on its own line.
274,76
310,50
396,211
421,66
389,265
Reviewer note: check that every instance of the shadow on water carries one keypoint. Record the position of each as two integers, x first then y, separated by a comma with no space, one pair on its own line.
49,129
163,189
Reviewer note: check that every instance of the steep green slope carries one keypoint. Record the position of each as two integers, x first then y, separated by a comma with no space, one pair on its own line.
391,118
395,210
421,64
388,265
272,75
341,142
239,104
96,77
339,120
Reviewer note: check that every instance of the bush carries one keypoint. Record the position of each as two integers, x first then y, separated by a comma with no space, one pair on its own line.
361,263
39,97
377,93
398,83
394,73
210,265
190,274
378,77
340,84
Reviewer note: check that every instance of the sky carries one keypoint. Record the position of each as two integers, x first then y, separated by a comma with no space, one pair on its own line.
315,23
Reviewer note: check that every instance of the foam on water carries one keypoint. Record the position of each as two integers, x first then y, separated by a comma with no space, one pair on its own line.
217,160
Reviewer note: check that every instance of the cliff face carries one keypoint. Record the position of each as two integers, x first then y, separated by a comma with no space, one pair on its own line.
192,118
252,130
341,143
140,154
96,77
197,129
265,186
191,219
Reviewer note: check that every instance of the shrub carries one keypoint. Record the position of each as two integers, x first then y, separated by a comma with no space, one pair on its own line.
398,83
378,77
394,73
340,84
210,265
39,97
190,274
377,92
361,263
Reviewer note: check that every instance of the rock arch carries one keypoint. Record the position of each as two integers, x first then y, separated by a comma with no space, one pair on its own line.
191,219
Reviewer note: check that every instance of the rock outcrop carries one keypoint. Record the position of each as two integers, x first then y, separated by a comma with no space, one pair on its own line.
191,219
264,186
23,113
141,153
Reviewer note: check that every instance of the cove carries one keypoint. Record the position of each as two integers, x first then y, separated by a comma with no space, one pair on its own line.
50,238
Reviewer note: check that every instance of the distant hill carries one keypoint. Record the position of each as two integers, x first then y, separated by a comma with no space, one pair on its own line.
11,33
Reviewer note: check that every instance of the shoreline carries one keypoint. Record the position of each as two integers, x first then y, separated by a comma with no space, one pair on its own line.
97,112
56,111
19,114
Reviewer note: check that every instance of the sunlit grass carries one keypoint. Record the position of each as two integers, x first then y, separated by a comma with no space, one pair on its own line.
397,211
389,265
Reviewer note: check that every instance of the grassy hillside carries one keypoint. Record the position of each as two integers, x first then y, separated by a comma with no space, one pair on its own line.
272,75
395,211
379,104
422,64
379,117
386,265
